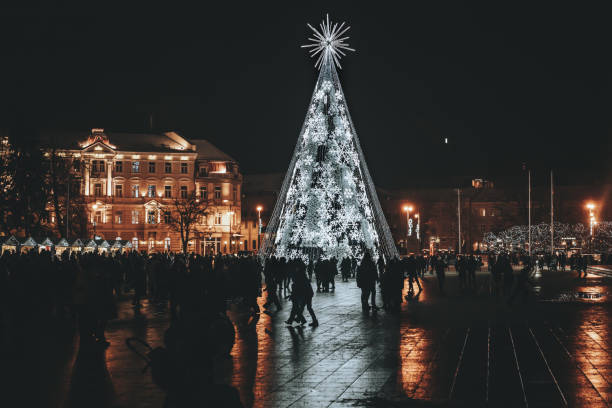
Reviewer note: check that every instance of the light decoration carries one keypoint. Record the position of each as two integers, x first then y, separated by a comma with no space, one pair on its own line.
516,237
327,205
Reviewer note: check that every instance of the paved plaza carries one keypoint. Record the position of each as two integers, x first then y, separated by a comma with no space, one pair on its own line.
468,349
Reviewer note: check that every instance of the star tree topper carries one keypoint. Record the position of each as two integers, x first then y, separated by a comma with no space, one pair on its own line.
328,42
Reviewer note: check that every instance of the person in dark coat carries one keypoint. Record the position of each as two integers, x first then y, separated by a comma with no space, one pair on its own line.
366,281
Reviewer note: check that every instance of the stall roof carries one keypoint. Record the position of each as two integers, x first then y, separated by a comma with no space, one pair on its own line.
11,241
77,243
62,243
91,244
29,242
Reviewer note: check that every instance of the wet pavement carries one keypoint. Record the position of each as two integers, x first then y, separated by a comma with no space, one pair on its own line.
470,349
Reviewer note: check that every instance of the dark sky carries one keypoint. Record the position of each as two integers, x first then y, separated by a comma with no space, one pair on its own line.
505,83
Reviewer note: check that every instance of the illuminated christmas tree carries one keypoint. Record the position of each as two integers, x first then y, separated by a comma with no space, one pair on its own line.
328,206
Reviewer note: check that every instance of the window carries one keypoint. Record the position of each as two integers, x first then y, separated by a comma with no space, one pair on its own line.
203,171
151,167
135,244
135,192
97,166
167,217
119,190
136,167
98,217
483,228
217,192
483,212
218,219
118,217
167,243
183,168
183,191
218,167
254,244
151,217
135,216
235,193
151,191
168,167
204,192
168,191
98,189
119,167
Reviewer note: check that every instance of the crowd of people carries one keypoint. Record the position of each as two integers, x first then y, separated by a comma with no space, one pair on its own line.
84,288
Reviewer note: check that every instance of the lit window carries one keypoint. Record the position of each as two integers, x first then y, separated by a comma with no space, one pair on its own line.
151,217
119,167
167,243
183,168
98,189
168,167
98,217
217,192
151,191
135,244
151,167
168,191
218,167
183,191
135,216
136,167
218,219
135,192
118,217
483,212
119,190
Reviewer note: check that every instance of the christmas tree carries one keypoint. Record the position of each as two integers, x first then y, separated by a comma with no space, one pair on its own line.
328,206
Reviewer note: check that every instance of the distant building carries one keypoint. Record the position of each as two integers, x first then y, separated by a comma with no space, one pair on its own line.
130,180
484,208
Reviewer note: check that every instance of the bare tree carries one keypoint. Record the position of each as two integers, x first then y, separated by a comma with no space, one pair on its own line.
185,215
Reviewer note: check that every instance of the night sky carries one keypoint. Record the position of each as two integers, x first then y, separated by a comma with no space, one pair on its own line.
505,84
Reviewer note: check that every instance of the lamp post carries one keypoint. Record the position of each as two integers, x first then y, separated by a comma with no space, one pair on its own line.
408,209
94,207
259,208
592,222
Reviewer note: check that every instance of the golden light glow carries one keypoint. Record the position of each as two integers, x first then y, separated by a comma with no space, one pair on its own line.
119,156
135,156
184,158
590,206
408,208
152,157
259,208
416,215
167,157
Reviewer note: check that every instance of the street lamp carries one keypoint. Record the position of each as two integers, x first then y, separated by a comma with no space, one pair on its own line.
592,221
259,208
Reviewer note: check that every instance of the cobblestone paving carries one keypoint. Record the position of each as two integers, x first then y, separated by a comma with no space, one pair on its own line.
460,349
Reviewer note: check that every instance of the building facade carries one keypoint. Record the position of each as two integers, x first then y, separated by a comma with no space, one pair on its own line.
130,183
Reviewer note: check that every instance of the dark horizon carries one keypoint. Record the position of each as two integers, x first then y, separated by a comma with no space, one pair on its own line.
505,86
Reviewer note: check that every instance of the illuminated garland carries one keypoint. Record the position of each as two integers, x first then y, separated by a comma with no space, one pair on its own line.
517,237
